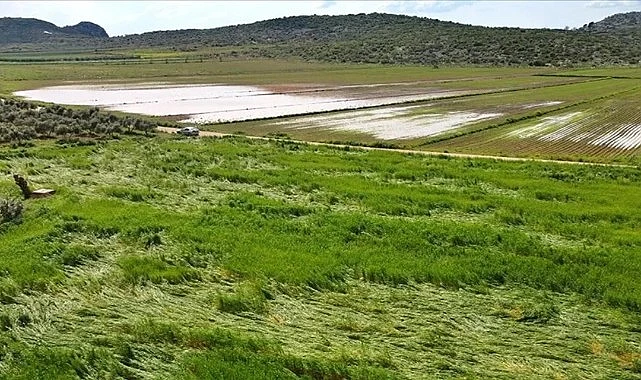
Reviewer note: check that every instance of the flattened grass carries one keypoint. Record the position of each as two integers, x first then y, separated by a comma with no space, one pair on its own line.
311,215
239,213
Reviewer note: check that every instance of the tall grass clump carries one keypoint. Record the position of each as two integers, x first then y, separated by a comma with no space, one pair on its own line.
10,210
141,269
248,297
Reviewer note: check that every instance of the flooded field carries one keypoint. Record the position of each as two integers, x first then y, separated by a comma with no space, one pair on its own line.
390,123
224,103
585,128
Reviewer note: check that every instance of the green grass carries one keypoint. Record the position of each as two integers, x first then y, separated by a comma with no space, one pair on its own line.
222,258
352,211
622,72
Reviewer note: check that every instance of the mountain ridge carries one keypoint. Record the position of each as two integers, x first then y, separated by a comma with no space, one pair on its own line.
29,30
394,39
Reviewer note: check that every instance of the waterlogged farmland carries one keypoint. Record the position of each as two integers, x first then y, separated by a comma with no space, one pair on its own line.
223,103
476,111
608,128
214,103
524,121
236,258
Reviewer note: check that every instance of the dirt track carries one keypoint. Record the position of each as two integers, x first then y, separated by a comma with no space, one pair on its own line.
407,151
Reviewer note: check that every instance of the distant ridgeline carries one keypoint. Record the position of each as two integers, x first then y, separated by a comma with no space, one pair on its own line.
29,30
361,38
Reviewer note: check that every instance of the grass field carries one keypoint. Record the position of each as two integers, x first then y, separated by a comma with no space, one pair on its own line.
231,258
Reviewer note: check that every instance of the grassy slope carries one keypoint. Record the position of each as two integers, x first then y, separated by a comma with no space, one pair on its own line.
206,258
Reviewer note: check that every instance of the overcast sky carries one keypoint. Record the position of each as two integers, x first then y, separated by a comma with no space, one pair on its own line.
128,17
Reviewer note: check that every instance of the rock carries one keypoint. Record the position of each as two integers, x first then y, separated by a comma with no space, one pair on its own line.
42,193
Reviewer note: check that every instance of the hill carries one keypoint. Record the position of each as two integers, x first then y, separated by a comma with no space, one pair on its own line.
30,30
382,38
619,22
86,28
395,39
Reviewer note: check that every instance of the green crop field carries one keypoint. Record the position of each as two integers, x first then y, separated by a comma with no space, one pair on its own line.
231,258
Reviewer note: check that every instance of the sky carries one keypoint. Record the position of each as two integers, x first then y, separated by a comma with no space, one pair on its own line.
131,17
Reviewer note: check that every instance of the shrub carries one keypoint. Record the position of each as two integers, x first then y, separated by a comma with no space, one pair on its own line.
10,210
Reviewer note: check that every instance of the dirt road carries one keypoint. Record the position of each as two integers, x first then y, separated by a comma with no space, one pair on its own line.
407,151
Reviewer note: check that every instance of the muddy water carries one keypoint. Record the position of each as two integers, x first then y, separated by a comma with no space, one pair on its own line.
221,103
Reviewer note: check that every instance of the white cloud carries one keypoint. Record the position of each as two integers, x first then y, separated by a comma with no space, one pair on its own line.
621,4
426,7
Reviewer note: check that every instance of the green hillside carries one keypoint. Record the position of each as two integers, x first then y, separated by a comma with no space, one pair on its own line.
378,38
29,30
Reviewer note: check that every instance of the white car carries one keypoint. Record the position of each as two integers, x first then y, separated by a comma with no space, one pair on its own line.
188,131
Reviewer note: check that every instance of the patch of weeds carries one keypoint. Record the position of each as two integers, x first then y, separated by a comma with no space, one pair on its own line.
201,255
267,208
125,353
75,255
6,322
248,297
431,339
539,313
278,135
553,197
152,331
24,320
137,194
10,210
533,312
76,224
149,236
59,363
241,364
8,291
350,324
511,217
231,364
140,269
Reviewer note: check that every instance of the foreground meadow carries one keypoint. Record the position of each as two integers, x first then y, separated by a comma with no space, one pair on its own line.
166,257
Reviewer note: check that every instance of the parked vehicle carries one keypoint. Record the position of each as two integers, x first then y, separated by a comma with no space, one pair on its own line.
189,131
